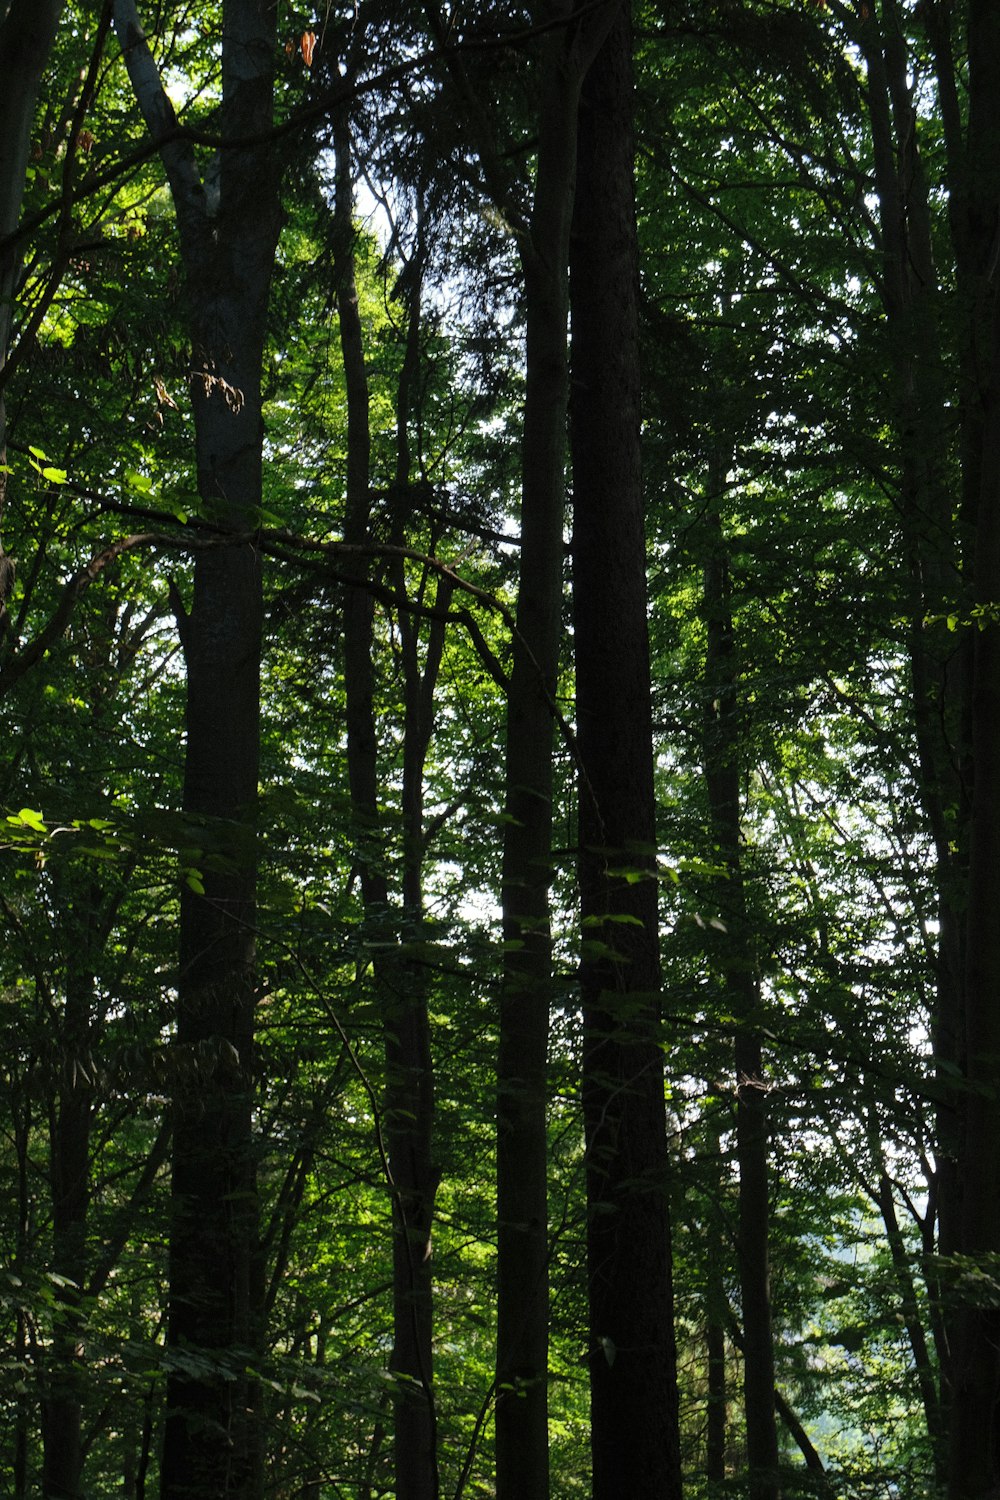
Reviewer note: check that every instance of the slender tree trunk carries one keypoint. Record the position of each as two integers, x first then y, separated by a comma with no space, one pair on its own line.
22,1140
26,36
210,1438
717,1396
408,1033
923,1365
634,1433
717,1313
409,1098
935,527
62,1418
975,1405
722,775
522,1138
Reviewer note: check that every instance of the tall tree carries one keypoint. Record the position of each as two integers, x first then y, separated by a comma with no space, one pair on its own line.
570,37
723,748
522,1138
26,35
409,1098
227,244
975,1395
634,1435
543,242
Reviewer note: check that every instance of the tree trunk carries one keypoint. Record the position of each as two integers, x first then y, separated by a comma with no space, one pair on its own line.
26,35
210,1435
742,986
923,1365
975,1403
409,1095
62,1418
634,1433
522,1139
939,660
717,1394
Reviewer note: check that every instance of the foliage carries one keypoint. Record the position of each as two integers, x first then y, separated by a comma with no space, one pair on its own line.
767,434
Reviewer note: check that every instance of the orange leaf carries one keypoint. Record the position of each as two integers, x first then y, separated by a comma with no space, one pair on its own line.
308,45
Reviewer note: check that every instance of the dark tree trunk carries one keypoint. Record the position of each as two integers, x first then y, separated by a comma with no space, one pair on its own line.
634,1439
737,961
939,660
22,1135
954,551
62,1415
409,1095
975,1393
923,1365
717,1313
717,1395
210,1434
26,35
522,1139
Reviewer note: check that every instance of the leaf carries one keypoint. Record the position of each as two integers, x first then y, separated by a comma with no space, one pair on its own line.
28,818
623,918
55,476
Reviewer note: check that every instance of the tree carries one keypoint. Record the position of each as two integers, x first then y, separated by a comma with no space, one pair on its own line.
780,835
210,1442
26,37
631,1351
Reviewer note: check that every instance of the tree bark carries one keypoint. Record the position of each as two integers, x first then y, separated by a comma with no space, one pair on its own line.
940,660
27,32
716,1403
409,1091
634,1432
522,1452
923,1365
213,1332
975,1408
739,970
71,1114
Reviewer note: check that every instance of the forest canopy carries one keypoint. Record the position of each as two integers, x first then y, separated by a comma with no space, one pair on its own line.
500,671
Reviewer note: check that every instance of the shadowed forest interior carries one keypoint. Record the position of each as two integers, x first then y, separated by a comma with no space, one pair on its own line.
500,797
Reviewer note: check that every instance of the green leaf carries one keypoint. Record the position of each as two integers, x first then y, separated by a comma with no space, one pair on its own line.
623,918
28,818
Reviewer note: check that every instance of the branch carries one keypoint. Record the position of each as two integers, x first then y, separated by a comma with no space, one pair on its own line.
798,1432
173,134
175,148
14,669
